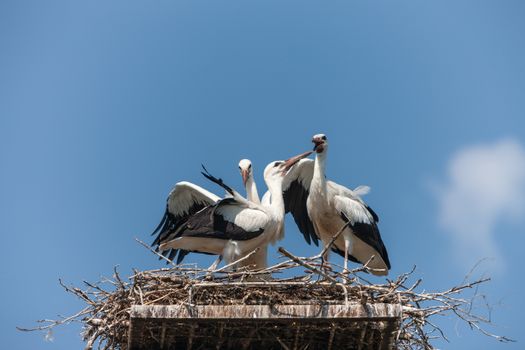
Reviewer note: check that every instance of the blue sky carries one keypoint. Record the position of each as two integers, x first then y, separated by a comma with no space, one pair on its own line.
104,106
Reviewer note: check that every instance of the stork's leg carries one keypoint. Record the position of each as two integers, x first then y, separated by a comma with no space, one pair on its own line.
231,253
325,265
324,259
347,247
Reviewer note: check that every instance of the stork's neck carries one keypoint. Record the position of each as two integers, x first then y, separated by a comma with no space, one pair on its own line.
277,203
251,191
319,177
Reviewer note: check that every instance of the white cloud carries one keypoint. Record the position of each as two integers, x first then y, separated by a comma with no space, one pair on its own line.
485,187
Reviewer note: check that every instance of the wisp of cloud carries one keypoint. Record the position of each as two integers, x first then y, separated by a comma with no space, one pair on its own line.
485,187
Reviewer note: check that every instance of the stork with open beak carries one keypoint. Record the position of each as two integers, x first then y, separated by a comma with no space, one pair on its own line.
321,207
235,226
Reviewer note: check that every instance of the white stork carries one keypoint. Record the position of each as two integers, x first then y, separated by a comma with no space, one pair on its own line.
259,259
245,167
186,198
234,226
321,207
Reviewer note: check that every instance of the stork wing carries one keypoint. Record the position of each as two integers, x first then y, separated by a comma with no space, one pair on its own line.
362,223
227,219
184,200
230,218
296,185
354,195
248,222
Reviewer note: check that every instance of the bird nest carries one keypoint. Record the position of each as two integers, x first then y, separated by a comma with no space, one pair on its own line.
110,305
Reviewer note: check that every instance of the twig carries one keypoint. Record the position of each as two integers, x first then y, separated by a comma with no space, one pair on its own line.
148,247
332,241
308,266
247,256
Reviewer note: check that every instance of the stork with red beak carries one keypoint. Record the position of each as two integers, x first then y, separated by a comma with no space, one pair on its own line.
258,259
321,207
235,226
187,198
245,167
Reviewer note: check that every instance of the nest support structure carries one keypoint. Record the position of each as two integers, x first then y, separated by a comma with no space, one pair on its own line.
247,317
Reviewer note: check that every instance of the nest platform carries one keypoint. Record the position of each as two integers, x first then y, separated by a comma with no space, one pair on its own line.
266,315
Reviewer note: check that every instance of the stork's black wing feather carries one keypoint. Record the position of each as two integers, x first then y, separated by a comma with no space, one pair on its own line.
373,213
295,197
219,182
168,225
369,233
182,254
209,223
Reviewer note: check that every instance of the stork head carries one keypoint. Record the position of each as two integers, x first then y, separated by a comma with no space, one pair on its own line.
279,168
245,167
320,142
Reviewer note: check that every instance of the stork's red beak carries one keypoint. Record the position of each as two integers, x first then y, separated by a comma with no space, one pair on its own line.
290,162
244,174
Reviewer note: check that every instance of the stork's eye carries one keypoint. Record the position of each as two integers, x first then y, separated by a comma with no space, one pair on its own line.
323,138
277,164
249,166
240,167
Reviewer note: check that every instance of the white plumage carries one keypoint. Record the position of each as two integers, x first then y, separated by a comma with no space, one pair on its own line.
186,195
321,207
183,201
235,219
